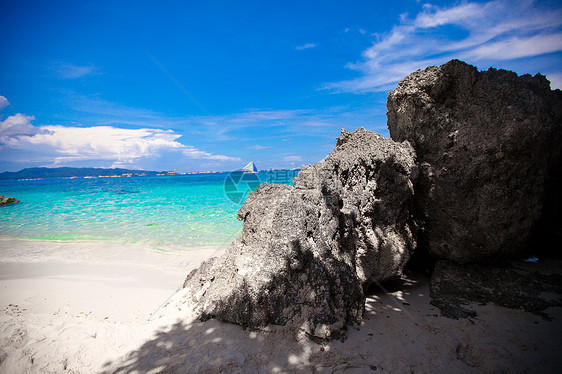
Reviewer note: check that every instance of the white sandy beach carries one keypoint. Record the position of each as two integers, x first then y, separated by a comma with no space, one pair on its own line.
90,307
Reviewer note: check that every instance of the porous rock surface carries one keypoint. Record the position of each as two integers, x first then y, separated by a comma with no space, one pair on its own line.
516,284
488,145
306,252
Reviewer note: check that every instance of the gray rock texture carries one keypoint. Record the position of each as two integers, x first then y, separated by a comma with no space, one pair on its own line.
517,284
306,252
488,145
8,200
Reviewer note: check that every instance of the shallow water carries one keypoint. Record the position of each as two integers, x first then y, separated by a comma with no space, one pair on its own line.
179,212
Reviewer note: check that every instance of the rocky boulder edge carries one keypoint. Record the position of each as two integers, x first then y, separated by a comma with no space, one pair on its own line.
306,252
489,147
489,151
515,284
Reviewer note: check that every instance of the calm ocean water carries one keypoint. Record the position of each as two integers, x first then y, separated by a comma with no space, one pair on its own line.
169,212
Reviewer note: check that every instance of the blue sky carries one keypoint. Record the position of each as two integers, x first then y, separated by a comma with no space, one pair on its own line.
185,85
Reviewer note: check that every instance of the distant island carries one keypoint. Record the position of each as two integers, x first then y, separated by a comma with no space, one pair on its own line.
69,172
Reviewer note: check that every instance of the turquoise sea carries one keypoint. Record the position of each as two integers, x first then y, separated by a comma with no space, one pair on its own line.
166,212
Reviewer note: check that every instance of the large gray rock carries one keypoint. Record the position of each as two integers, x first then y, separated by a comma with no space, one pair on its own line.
370,177
306,252
487,144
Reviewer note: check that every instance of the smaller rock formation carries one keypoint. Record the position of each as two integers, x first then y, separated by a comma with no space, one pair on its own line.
306,252
489,146
4,200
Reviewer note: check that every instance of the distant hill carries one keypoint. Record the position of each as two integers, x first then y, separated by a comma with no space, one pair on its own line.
31,173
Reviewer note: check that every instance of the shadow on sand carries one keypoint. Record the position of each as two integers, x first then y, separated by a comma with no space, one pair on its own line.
210,346
214,346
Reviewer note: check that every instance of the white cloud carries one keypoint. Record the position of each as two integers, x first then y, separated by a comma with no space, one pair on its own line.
243,129
266,115
292,158
461,14
72,71
480,33
305,46
517,47
3,102
100,112
193,152
69,144
17,125
555,80
316,123
267,126
258,147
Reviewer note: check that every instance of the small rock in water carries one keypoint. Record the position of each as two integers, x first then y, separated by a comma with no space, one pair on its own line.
4,200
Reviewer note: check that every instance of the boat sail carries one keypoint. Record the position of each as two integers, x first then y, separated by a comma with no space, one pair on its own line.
250,168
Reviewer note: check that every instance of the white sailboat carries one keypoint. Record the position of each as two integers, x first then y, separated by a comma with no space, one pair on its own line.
250,168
